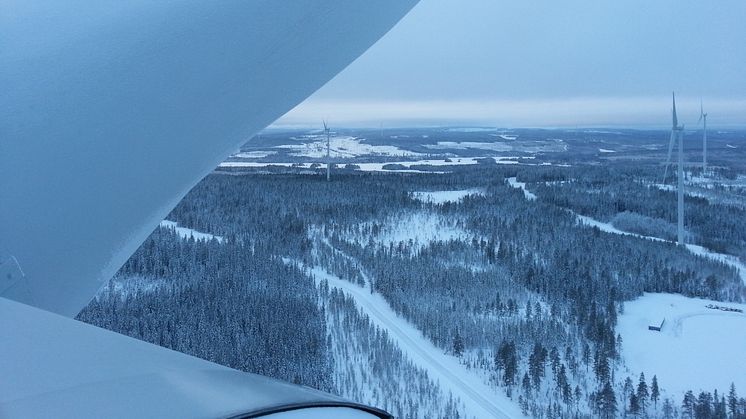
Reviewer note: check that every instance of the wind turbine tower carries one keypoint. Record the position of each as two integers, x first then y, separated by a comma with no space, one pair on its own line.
703,118
677,134
328,154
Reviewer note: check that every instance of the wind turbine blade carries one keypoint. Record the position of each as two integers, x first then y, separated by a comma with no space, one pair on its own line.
670,152
673,111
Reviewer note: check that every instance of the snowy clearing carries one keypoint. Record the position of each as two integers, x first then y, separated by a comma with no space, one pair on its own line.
344,147
186,233
513,181
459,145
470,129
441,197
480,400
605,150
253,154
708,343
415,228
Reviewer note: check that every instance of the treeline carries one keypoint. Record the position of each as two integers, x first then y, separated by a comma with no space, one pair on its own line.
603,192
223,303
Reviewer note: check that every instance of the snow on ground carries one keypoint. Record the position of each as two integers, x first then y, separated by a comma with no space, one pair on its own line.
470,129
127,285
730,146
253,154
708,344
605,150
378,167
407,165
727,259
417,228
513,181
254,164
441,197
464,145
186,233
480,399
673,188
344,147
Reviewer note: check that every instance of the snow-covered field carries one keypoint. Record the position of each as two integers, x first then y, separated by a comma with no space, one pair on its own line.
441,197
464,145
480,400
253,154
344,147
186,233
697,349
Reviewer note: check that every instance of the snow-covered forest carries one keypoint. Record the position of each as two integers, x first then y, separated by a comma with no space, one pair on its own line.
512,285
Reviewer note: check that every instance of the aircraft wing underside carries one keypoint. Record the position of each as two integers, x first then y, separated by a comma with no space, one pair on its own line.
110,112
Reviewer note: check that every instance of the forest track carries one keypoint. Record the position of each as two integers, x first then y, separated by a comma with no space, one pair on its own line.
480,400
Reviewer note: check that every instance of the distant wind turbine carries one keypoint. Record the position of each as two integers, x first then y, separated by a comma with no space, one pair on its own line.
703,118
677,135
328,154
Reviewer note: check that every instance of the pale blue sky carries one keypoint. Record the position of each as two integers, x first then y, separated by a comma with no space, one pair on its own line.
545,63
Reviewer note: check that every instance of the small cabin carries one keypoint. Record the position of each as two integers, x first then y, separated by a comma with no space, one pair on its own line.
657,326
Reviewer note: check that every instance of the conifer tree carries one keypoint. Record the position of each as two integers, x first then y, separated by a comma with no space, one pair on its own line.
655,392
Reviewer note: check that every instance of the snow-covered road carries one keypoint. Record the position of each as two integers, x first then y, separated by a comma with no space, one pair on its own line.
480,400
513,181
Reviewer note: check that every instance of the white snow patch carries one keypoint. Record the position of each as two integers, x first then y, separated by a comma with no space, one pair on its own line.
344,147
128,285
441,197
697,349
253,154
730,146
513,181
186,233
606,150
470,129
480,400
253,164
464,145
418,229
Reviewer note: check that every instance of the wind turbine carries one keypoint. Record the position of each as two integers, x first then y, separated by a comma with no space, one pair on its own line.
677,135
328,157
703,118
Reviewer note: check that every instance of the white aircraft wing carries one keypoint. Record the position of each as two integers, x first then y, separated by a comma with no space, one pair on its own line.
112,110
53,366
